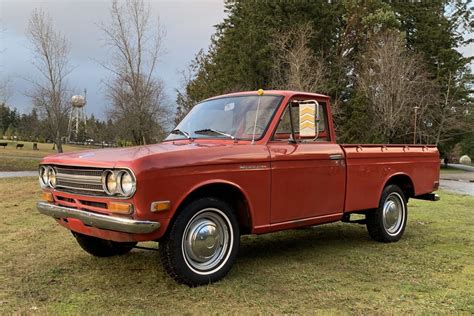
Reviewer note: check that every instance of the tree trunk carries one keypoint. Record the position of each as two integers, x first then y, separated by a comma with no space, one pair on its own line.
59,144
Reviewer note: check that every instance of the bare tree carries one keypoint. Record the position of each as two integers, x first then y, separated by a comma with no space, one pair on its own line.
5,90
447,117
183,101
5,81
295,65
394,82
50,94
137,96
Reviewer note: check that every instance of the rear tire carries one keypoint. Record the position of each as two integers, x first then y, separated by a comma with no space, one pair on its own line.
202,243
387,223
103,248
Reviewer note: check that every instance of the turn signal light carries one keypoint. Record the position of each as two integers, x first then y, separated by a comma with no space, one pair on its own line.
160,206
119,207
47,196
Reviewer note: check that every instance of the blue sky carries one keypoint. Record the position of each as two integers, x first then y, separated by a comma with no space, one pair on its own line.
188,25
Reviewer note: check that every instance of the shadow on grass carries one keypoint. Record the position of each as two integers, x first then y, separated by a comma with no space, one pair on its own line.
317,238
325,242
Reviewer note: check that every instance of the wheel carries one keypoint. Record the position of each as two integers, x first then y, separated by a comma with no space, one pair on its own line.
387,223
101,247
202,243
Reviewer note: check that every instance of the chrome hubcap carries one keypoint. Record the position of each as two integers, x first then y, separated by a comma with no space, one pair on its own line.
206,240
393,213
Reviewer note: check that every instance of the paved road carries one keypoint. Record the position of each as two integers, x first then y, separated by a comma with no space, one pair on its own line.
460,187
20,157
462,167
13,174
462,183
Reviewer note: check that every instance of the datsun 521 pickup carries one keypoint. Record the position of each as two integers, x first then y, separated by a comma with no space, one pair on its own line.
244,163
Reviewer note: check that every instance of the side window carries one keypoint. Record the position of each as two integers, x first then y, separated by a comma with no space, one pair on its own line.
284,127
303,117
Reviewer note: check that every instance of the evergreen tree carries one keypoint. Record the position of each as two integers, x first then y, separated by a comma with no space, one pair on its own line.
240,55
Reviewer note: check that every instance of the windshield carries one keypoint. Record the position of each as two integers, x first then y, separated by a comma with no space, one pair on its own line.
228,117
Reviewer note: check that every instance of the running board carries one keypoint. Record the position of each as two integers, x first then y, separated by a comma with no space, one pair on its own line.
428,197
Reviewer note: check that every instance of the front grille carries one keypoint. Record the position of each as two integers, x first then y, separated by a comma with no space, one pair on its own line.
80,181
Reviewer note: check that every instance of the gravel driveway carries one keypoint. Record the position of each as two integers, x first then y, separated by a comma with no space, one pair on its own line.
13,174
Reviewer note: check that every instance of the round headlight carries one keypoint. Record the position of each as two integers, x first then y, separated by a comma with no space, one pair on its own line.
43,176
127,184
109,182
51,177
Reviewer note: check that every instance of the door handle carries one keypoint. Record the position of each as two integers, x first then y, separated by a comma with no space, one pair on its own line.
336,157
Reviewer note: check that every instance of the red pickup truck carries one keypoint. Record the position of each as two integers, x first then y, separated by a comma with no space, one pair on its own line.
243,163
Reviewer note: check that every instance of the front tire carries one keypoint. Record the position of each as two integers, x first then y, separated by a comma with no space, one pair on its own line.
202,243
387,223
103,248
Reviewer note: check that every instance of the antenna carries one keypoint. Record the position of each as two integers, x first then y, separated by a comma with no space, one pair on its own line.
260,93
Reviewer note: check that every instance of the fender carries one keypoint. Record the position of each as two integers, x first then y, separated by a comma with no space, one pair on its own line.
388,178
215,181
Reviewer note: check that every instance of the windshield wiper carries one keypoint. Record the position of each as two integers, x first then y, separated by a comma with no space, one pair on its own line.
210,130
178,131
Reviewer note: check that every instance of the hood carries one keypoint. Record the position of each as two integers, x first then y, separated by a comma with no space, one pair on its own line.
111,156
167,154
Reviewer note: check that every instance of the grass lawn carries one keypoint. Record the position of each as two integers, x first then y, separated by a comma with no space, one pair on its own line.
12,159
332,268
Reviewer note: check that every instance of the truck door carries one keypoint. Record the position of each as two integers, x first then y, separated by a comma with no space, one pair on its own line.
308,170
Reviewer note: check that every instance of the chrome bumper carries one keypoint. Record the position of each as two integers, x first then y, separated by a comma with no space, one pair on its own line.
120,224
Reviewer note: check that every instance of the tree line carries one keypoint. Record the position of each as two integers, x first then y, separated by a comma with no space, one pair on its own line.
31,127
379,61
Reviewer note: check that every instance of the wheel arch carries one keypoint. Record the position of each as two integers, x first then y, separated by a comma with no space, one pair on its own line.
403,181
225,190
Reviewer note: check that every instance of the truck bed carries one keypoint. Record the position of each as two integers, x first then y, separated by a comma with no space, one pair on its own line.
370,167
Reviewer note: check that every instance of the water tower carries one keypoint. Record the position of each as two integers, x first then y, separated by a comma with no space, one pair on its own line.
77,116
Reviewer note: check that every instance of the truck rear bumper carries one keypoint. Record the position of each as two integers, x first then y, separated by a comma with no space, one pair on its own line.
119,224
428,197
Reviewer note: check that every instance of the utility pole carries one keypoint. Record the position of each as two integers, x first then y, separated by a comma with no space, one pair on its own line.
414,123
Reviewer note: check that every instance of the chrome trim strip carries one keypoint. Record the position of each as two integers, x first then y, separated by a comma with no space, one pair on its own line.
253,167
78,168
120,224
76,177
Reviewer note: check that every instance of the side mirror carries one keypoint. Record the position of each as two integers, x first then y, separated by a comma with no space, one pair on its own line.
309,118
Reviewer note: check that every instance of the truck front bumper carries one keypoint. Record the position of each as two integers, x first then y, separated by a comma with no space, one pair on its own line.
119,224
